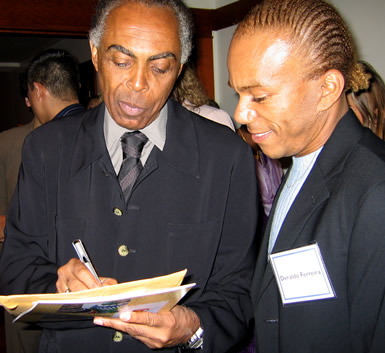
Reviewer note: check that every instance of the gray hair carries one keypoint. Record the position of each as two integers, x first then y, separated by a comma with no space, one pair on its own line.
182,14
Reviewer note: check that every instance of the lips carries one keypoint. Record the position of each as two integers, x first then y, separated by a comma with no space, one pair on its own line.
131,109
260,137
262,133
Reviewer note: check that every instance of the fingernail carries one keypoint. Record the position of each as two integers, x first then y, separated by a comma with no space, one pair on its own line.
98,322
125,316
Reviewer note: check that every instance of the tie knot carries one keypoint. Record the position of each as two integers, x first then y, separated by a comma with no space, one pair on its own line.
132,144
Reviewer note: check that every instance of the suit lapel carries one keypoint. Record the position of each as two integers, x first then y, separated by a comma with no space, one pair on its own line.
312,194
89,142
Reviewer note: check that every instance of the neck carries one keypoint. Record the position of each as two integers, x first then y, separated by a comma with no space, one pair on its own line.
55,106
60,105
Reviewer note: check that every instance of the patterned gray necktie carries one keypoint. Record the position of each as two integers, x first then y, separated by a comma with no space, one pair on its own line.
132,145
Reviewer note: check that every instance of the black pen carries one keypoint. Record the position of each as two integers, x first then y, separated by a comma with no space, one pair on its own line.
83,256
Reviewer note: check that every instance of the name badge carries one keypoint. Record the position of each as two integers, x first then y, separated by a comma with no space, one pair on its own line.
301,275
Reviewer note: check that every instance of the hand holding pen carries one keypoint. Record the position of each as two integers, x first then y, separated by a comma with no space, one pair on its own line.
80,274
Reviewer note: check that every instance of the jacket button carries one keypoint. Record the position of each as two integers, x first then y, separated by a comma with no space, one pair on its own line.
118,337
117,212
123,250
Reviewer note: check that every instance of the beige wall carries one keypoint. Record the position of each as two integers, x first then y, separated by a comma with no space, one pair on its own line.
366,22
207,4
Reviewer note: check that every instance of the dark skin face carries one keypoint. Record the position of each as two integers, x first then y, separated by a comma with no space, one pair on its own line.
138,62
284,112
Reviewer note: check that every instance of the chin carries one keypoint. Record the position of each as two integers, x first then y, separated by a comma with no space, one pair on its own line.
271,154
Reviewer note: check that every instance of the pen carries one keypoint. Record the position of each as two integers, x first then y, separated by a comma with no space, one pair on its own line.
83,256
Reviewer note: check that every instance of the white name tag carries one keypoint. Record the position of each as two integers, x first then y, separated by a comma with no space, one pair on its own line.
301,275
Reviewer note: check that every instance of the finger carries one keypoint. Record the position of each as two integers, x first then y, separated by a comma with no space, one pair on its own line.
147,318
75,276
153,329
106,281
83,278
150,336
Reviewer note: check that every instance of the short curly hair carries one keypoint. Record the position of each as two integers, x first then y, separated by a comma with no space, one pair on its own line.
182,13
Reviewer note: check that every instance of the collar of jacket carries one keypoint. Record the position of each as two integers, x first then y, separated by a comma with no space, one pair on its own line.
181,150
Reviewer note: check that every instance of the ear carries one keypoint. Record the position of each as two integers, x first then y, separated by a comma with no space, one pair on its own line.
180,70
94,55
332,87
40,90
27,102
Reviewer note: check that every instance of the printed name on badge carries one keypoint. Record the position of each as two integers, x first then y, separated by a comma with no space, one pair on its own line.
301,275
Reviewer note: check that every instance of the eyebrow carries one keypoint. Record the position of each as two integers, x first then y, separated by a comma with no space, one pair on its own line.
129,53
245,88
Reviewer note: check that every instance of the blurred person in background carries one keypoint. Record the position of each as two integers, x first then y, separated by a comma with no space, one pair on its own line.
50,87
190,92
369,103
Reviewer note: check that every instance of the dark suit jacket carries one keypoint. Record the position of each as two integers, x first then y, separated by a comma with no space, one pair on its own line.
194,207
342,207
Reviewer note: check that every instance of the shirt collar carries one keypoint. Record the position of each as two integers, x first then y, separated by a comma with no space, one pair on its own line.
155,132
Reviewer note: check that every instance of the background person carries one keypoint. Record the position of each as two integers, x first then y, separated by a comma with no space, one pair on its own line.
291,62
269,172
11,142
190,92
369,103
53,85
195,180
50,87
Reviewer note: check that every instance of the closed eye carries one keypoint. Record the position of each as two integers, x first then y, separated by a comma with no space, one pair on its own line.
259,99
158,70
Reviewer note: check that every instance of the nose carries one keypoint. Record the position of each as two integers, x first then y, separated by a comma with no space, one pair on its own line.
138,79
243,113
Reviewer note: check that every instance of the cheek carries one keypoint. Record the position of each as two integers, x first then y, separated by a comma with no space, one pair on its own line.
161,89
108,78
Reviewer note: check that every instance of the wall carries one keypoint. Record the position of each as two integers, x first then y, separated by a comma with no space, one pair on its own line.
366,22
364,18
80,48
224,95
207,4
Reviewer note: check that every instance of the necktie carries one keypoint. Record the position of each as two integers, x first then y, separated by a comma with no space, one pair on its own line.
132,145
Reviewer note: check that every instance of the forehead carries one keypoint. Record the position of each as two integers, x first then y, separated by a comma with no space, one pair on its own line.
265,56
142,26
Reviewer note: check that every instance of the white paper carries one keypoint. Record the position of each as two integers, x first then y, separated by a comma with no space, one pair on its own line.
301,275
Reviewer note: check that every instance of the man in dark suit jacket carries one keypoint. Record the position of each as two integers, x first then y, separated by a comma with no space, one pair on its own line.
193,205
319,284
